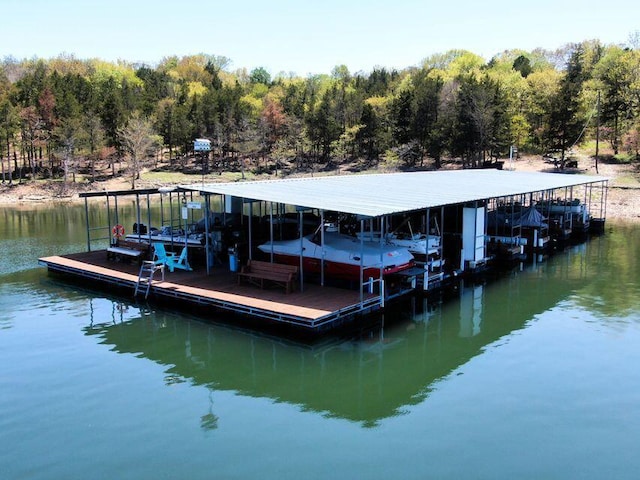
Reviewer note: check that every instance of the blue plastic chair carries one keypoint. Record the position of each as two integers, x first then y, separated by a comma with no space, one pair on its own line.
162,257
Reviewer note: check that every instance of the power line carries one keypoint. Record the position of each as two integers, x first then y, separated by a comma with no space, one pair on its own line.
584,128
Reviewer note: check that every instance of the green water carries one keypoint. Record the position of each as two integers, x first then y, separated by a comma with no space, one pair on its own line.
533,376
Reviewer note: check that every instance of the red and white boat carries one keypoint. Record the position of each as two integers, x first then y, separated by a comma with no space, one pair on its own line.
343,255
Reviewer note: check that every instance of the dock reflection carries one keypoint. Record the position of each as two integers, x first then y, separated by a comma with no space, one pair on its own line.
374,374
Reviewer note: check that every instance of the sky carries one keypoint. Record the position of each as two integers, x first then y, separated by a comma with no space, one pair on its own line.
305,37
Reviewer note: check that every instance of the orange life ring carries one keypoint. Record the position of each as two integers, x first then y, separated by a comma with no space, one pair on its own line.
118,231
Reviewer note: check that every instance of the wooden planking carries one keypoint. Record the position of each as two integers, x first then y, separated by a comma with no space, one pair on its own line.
88,267
314,303
263,304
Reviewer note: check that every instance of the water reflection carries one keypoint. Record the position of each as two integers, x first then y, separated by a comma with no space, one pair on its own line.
209,421
471,311
613,263
364,378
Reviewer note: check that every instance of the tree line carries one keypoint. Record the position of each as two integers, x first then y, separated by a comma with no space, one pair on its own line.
62,116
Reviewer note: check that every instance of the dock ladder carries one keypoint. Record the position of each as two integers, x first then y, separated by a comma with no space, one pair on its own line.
145,277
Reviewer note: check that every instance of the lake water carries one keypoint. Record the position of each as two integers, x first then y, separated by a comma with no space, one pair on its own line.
534,375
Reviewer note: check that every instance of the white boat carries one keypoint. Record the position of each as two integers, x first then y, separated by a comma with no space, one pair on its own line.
343,255
175,236
562,206
168,236
419,244
424,247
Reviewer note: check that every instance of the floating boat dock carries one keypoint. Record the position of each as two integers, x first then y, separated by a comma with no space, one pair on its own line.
314,309
464,214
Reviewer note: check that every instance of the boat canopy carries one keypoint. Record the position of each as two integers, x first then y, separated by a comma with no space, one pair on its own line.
389,193
532,218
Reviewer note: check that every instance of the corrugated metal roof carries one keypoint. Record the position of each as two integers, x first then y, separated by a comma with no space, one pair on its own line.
384,194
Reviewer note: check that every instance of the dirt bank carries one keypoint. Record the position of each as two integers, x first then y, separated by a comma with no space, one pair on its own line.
623,196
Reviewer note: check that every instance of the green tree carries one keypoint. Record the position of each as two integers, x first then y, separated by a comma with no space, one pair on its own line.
378,83
156,87
231,113
294,100
368,135
565,119
377,126
523,66
542,90
425,114
260,75
111,110
481,124
323,125
615,74
31,84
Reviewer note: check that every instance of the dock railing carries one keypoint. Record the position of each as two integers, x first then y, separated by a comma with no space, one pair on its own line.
369,287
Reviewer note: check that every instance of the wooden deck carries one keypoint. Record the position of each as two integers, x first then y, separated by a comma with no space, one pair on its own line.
314,308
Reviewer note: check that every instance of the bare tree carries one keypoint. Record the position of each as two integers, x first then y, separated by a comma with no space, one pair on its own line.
9,125
31,134
634,40
140,142
95,139
71,136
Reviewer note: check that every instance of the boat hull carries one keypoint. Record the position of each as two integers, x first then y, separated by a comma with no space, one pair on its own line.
338,270
343,257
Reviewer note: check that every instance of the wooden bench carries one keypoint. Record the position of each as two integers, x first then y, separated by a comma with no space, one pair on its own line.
126,250
257,272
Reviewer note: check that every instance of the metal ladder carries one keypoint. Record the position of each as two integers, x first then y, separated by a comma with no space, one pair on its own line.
145,277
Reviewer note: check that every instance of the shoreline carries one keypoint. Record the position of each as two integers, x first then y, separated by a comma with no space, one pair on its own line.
623,196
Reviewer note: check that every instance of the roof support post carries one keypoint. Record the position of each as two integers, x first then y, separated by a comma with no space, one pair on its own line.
567,203
86,218
161,212
301,250
427,218
271,230
138,219
148,217
361,260
207,240
321,247
108,219
475,230
382,238
250,229
425,275
115,204
171,219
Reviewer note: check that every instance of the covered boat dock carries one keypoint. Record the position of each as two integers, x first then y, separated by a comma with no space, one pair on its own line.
452,207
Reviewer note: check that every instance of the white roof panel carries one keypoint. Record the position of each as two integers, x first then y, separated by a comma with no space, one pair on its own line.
388,193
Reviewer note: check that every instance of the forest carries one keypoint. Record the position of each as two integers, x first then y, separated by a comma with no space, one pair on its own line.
72,119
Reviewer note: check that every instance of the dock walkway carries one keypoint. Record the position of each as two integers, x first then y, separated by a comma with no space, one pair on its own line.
314,308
